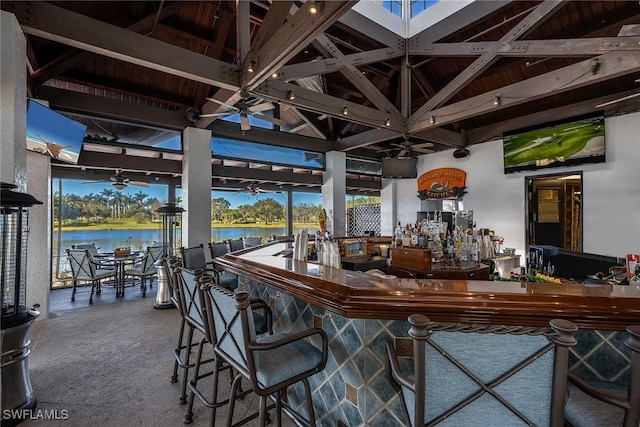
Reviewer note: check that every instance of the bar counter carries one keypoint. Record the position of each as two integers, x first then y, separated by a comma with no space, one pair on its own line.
361,313
357,295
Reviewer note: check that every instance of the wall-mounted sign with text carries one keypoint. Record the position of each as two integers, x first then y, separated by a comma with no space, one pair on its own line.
442,183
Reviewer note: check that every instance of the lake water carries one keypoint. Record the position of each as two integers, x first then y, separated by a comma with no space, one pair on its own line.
138,240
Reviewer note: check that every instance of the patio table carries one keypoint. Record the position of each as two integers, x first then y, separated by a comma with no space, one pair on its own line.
119,263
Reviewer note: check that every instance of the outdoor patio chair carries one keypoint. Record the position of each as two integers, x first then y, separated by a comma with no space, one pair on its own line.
84,269
482,375
604,403
227,279
199,319
236,245
95,255
146,268
252,241
271,363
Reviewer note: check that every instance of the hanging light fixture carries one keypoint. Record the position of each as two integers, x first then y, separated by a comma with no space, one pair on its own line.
314,8
496,100
290,95
387,122
345,111
432,120
252,66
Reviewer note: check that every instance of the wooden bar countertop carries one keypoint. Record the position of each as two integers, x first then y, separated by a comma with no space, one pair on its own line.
353,294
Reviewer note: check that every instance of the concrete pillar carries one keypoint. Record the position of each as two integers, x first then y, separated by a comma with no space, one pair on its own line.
388,206
39,244
196,187
334,191
13,102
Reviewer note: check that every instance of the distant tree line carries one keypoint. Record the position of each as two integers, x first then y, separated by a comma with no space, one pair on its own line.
111,205
105,206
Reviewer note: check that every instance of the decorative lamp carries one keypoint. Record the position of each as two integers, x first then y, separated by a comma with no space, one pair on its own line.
17,319
170,225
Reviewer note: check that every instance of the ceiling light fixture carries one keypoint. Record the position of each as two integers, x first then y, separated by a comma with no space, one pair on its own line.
387,122
274,75
119,186
496,100
290,95
252,66
345,111
432,120
314,8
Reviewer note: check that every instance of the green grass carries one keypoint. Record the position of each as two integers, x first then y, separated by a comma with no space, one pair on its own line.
563,141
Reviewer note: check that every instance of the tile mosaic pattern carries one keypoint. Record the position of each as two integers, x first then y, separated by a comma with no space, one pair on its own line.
355,369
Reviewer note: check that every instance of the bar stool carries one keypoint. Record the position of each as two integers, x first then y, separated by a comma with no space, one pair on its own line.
199,319
604,403
476,375
259,359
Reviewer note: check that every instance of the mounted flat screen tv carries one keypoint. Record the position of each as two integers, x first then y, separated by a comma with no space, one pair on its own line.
53,134
400,167
568,142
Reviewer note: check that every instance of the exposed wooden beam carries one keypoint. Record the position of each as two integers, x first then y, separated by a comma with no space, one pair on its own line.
611,66
299,30
528,24
360,81
99,106
223,129
496,130
122,161
325,104
330,65
371,29
566,48
55,23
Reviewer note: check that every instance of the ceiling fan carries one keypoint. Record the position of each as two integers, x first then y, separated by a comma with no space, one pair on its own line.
119,181
407,146
253,189
246,109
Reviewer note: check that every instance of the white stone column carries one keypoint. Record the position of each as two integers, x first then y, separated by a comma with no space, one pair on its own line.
196,187
13,101
388,206
334,190
39,244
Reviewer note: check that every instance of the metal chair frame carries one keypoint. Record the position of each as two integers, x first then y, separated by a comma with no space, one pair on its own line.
236,245
629,403
237,345
561,338
147,267
83,268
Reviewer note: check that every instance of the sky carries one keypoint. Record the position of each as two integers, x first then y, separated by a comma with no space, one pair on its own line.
160,192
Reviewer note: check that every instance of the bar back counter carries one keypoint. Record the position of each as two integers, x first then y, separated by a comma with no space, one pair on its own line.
362,313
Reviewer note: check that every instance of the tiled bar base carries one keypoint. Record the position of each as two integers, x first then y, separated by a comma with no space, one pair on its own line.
353,389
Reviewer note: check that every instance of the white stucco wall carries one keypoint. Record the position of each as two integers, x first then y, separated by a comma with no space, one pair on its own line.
611,190
39,243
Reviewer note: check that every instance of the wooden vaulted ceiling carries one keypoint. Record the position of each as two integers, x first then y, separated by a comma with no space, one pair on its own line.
148,62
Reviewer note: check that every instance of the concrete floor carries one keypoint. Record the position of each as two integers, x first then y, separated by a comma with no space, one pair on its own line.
109,364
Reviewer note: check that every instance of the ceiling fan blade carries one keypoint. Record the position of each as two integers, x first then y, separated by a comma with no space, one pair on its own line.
244,123
232,107
213,115
260,190
265,106
94,182
269,119
422,145
139,183
422,150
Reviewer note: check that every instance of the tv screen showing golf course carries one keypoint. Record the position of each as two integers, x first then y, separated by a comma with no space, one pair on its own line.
564,143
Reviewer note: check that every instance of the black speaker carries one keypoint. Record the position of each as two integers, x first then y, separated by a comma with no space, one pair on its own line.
461,153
